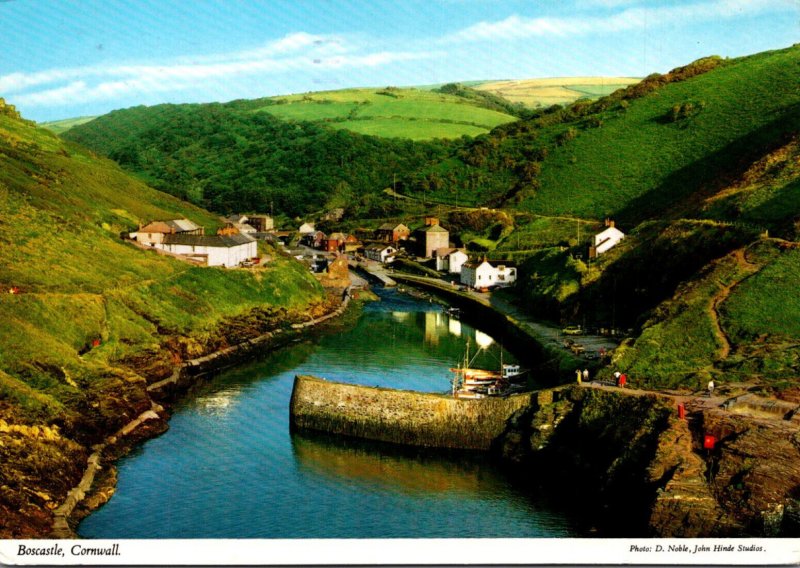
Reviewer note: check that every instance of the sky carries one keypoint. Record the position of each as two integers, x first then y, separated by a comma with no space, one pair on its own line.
62,59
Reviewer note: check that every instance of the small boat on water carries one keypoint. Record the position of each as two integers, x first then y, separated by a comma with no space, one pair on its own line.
471,383
453,312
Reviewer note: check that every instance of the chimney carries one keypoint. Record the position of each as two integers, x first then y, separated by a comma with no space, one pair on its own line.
611,223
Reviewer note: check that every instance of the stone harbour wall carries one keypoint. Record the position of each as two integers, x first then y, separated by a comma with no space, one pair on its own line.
402,417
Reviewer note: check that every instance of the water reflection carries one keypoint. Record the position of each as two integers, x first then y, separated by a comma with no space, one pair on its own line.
399,471
229,468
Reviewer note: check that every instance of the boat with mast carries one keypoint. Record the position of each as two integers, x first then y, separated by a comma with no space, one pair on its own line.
469,382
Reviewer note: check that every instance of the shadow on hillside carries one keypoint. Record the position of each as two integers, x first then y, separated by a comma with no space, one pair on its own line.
682,192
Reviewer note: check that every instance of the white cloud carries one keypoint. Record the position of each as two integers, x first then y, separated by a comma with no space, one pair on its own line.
515,27
294,52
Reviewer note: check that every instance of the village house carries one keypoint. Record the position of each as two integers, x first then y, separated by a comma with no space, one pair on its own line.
154,232
261,223
314,240
481,274
342,243
233,219
236,229
381,253
306,229
432,237
216,250
392,233
334,241
351,243
450,259
258,223
605,240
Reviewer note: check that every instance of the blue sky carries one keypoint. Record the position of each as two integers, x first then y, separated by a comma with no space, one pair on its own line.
63,59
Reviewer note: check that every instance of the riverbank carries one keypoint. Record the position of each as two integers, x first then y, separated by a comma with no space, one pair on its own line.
158,377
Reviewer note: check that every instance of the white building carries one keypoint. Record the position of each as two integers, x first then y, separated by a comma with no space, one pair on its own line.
605,240
482,274
154,233
217,250
306,229
450,260
381,253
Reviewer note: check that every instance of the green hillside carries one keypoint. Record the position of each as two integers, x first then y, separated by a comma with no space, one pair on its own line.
61,213
390,112
654,148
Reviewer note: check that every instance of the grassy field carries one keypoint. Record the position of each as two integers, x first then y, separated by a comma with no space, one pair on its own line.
555,90
59,126
409,128
536,231
403,113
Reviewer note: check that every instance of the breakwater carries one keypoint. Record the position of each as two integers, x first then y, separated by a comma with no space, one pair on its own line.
637,468
404,417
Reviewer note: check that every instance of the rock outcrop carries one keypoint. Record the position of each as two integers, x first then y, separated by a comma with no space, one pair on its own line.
643,471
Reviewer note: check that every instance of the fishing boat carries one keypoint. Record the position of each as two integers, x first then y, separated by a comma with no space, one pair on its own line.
471,383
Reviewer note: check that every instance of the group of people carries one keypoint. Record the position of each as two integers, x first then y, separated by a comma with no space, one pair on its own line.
583,376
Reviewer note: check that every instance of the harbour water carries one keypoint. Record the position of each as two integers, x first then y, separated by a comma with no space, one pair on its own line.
229,468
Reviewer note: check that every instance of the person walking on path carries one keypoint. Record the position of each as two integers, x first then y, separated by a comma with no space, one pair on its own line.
711,387
616,377
578,375
586,375
622,380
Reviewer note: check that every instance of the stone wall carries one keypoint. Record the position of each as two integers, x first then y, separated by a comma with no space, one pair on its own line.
403,417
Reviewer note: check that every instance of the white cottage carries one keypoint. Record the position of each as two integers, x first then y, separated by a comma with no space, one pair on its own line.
450,260
482,274
218,250
381,253
605,240
306,229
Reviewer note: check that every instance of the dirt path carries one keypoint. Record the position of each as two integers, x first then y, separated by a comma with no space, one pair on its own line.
748,269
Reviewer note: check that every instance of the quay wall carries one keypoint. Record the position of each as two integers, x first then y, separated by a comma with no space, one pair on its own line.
552,366
404,417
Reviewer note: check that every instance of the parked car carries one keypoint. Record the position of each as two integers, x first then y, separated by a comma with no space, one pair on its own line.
572,330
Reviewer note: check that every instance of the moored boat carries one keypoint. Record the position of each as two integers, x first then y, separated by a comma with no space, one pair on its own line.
470,382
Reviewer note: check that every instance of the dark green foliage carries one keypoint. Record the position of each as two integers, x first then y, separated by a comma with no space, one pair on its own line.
229,161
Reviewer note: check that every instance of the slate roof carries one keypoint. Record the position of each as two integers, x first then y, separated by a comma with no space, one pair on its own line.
181,225
379,247
218,241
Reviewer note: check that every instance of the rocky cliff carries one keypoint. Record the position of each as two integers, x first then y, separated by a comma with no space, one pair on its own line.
641,470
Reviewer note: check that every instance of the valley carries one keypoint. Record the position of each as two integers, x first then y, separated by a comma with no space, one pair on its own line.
663,213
